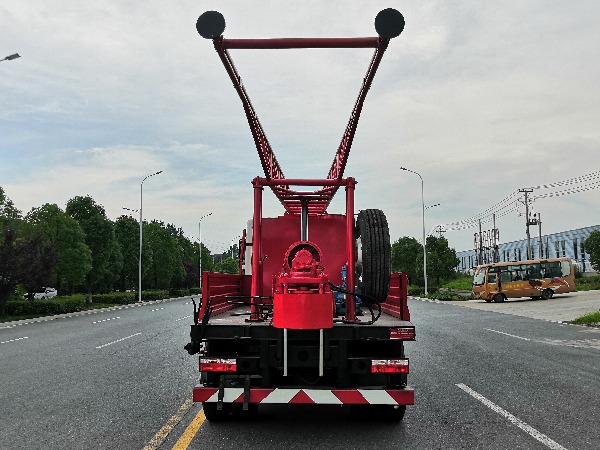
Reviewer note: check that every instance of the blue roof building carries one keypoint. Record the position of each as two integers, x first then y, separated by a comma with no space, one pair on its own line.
556,245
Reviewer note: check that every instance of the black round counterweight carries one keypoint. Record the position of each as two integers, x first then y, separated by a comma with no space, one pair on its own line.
210,24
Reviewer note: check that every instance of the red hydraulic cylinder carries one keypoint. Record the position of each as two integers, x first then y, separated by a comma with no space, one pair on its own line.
350,265
256,250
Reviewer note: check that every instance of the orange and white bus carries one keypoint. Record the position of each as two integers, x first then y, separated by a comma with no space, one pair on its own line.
540,278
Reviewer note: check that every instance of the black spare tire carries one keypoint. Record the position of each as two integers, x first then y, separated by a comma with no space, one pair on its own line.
374,254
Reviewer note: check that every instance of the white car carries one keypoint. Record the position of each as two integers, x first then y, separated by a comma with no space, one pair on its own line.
47,293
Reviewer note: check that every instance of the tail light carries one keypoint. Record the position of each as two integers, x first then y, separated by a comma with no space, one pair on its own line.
389,366
405,333
218,365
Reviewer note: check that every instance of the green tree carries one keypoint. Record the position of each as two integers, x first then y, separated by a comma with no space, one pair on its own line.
100,237
74,258
592,247
9,215
407,256
26,261
166,268
228,265
127,232
441,260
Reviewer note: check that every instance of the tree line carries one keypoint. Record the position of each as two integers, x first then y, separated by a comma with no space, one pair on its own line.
80,250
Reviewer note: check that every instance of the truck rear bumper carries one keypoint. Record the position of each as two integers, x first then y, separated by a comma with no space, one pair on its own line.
307,396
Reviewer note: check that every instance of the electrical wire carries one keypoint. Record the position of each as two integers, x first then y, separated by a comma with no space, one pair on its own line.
367,300
508,205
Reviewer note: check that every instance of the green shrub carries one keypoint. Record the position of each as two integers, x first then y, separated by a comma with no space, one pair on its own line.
58,305
588,283
416,291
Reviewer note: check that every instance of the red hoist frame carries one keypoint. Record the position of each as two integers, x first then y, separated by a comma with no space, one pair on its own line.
389,23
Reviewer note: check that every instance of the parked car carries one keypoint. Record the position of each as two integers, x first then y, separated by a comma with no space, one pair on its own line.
46,293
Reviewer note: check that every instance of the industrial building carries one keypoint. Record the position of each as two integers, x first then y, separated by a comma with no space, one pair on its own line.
565,243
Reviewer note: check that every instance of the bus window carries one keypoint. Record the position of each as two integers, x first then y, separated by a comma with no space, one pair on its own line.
479,277
534,272
565,268
491,277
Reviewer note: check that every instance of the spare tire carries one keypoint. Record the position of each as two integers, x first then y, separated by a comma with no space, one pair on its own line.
374,254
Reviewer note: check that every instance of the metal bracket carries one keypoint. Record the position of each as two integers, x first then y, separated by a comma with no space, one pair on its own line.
246,393
221,393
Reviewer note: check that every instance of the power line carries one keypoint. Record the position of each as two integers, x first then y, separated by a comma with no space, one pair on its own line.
510,204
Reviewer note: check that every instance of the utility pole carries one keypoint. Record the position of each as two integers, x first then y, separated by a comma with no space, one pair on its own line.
527,191
539,222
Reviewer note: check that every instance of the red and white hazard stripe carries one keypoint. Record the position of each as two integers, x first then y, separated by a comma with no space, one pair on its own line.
309,396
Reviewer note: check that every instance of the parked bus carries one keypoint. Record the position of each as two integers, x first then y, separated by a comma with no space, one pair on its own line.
540,278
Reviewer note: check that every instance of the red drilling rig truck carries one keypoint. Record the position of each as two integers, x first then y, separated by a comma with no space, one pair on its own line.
314,315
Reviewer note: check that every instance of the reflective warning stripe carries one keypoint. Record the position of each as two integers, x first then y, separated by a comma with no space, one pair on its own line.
308,396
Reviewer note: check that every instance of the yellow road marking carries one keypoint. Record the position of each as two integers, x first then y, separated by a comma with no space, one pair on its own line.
189,433
167,427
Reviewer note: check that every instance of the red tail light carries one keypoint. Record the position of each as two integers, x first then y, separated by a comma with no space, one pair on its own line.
405,333
389,366
218,365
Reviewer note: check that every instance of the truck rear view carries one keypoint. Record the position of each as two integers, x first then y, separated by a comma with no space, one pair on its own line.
314,315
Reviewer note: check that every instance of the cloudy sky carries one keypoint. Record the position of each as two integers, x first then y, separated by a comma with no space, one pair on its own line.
480,98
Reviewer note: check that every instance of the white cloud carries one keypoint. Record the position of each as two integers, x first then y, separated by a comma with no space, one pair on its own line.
480,98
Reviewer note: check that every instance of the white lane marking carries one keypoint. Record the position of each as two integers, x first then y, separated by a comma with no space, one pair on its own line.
515,420
579,343
507,334
106,320
119,340
186,317
14,340
157,309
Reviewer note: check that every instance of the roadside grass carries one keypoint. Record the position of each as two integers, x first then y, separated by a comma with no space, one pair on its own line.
588,283
588,319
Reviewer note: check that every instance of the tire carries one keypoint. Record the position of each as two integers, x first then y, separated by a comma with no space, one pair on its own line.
498,298
374,254
212,414
547,294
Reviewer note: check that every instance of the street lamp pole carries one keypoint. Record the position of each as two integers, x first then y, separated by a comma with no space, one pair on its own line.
200,249
424,241
141,221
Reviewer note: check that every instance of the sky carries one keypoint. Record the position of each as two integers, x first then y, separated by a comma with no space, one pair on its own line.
481,99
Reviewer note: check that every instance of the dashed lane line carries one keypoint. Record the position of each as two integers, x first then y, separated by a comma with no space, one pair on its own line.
186,317
106,320
118,340
508,334
14,340
514,420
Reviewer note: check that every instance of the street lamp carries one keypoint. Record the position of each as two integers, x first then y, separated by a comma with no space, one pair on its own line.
200,246
11,57
141,218
424,242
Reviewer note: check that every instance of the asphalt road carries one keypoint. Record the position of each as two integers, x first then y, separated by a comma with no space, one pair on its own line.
482,379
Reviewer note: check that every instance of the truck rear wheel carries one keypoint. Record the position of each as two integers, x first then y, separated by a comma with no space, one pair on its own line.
374,254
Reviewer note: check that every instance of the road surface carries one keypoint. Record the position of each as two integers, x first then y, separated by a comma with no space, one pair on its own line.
120,379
